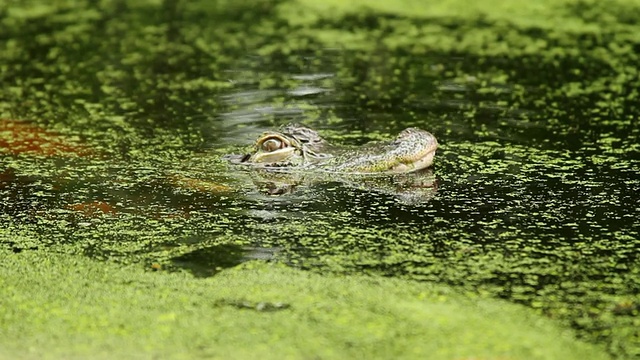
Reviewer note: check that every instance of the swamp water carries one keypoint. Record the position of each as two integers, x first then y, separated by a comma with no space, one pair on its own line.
115,119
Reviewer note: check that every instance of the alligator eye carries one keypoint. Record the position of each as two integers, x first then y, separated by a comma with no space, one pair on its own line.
271,144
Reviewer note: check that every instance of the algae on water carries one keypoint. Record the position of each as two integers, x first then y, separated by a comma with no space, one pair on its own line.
256,309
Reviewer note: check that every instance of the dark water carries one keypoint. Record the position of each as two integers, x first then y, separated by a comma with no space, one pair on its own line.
537,187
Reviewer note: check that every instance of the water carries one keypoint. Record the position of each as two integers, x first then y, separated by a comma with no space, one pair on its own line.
537,174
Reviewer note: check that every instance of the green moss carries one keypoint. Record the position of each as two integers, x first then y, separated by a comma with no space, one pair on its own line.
100,310
504,35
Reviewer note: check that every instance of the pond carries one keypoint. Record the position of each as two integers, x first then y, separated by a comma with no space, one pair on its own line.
116,119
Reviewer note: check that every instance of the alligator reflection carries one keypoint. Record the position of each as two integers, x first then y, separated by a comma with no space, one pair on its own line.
409,189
